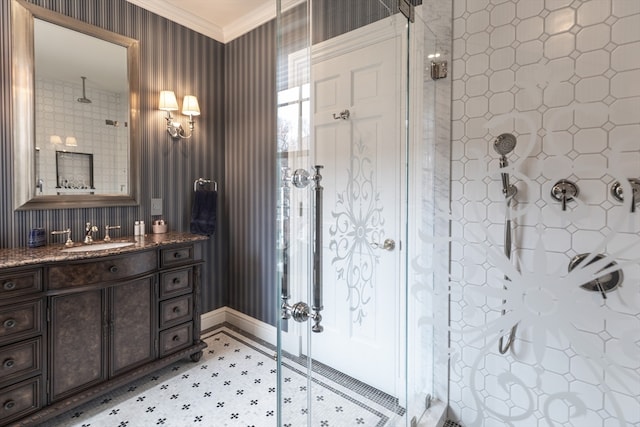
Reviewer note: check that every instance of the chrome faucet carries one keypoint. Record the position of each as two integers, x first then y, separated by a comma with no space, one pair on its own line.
107,238
69,242
88,238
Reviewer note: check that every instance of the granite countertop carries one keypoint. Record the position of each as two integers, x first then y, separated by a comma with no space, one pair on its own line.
18,257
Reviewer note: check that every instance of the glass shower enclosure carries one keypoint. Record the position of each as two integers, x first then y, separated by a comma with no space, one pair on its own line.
348,218
459,213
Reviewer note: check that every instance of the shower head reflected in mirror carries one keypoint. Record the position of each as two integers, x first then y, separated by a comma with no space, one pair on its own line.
84,99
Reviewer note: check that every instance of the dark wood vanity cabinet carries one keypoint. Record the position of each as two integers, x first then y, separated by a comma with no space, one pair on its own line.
99,334
70,331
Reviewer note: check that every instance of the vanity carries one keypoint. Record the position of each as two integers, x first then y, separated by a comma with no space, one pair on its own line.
75,325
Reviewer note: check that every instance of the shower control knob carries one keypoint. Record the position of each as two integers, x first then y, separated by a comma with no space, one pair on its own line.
564,191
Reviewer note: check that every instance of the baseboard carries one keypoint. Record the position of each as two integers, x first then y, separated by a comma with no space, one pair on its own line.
213,318
255,327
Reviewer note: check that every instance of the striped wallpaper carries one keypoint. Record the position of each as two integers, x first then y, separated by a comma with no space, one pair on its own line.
171,57
250,168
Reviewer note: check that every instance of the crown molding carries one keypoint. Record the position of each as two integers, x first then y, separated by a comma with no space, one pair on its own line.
203,26
250,21
182,17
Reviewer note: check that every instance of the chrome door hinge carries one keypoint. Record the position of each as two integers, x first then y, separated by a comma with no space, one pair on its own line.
438,69
407,9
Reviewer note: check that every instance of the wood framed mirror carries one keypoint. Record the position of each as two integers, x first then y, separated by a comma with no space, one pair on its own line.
75,89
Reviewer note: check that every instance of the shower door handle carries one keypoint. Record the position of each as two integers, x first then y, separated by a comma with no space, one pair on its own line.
300,311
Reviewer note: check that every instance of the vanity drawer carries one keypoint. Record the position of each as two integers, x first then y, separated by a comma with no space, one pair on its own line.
20,282
101,270
20,359
176,338
20,321
176,310
177,256
176,282
19,400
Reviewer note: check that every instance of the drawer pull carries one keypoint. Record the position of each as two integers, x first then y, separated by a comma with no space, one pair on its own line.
176,281
8,364
175,338
9,404
8,286
113,269
176,309
10,323
177,255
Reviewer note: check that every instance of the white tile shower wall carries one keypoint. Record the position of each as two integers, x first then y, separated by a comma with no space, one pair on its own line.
59,113
564,77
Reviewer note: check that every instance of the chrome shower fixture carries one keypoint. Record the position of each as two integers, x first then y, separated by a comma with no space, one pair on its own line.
505,144
84,99
602,283
616,191
564,191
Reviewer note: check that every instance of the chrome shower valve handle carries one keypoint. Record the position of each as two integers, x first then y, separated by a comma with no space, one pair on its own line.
564,191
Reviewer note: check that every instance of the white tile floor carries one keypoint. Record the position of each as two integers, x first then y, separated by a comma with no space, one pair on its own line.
234,384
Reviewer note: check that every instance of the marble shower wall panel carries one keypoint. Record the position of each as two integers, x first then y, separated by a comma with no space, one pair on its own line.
564,77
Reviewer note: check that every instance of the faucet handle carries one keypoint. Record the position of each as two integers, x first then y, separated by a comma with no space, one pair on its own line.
69,242
107,238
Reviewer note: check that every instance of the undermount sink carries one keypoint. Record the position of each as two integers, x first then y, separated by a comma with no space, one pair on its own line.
98,247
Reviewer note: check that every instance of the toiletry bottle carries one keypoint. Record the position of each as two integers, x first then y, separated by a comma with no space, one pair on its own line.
142,231
136,228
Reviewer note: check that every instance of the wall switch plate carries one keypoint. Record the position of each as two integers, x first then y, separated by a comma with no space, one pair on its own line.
156,206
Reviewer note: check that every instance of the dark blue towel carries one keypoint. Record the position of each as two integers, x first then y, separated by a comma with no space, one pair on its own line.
203,215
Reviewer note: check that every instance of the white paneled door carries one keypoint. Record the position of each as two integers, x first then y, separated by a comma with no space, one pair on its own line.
357,115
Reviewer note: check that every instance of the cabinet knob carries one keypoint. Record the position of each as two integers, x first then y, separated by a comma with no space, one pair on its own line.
8,364
8,286
176,309
113,269
10,323
9,404
176,338
177,254
176,281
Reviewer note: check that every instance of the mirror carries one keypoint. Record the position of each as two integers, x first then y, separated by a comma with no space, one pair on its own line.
75,112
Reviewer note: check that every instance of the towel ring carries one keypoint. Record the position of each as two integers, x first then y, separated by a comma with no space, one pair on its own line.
201,182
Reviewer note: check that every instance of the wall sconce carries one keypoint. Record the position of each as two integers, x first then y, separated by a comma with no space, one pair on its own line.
190,108
71,141
55,139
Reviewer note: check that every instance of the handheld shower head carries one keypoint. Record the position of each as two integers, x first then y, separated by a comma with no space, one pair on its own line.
504,144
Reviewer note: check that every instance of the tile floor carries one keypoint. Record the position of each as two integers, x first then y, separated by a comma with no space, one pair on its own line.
234,384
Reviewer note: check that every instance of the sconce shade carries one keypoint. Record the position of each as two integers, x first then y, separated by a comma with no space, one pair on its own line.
71,141
55,139
168,101
190,106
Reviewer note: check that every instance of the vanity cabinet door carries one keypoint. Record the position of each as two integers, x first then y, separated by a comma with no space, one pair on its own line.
78,340
132,325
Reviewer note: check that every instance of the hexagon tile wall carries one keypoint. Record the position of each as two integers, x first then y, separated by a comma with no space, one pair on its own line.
563,76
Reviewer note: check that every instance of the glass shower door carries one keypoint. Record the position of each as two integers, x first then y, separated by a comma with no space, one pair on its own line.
343,216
